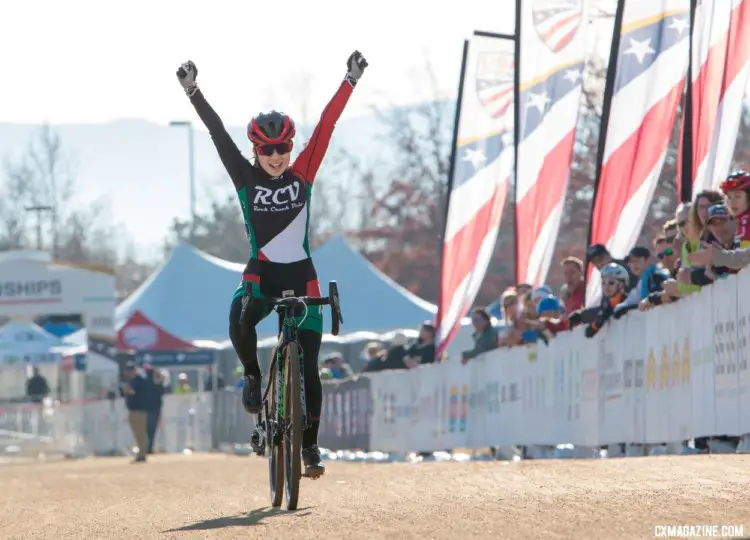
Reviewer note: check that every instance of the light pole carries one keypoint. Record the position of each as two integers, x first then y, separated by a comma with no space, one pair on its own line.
191,166
39,209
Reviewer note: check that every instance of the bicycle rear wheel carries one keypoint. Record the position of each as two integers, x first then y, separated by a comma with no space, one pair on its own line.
274,448
292,425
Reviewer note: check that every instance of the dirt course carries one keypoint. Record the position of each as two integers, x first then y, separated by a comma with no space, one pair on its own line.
222,496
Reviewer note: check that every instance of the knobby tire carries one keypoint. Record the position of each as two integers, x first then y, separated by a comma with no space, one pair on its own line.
275,452
293,425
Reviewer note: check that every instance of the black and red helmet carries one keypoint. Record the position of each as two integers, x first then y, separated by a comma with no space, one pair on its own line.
736,181
270,128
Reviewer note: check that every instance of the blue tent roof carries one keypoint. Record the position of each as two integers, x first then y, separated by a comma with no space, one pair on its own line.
189,295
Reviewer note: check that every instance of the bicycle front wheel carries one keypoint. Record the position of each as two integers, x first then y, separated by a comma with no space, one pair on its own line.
292,425
274,448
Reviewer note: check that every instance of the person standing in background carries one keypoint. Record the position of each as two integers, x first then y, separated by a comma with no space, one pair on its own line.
183,386
155,405
36,387
138,393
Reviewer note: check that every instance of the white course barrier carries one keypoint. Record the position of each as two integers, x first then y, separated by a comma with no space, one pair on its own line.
102,428
676,372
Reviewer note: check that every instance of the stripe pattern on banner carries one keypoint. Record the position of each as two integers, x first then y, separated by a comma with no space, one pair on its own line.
481,173
552,61
721,64
648,83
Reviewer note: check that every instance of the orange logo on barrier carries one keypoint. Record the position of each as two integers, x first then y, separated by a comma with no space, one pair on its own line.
676,365
664,368
651,369
686,361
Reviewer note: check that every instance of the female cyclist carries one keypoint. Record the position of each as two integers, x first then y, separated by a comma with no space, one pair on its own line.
275,199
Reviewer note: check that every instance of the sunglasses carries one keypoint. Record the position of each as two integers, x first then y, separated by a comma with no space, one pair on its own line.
609,282
268,149
666,253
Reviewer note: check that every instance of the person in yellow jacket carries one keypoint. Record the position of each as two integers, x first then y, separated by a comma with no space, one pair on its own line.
691,233
182,384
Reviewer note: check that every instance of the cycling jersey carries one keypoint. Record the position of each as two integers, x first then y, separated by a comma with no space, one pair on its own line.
743,229
276,209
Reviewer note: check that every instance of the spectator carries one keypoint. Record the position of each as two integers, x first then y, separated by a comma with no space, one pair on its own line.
338,368
599,256
423,351
699,211
551,318
690,231
528,321
392,359
485,336
721,226
651,280
665,252
156,402
670,228
511,334
36,386
615,280
572,291
713,256
736,189
183,387
137,392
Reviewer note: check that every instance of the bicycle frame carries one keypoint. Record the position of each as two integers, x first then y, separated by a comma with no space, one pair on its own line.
288,335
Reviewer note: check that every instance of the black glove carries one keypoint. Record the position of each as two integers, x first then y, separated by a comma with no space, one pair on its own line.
355,66
575,317
590,331
187,74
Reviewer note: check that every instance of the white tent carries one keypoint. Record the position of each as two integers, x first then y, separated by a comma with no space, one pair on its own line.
28,343
189,295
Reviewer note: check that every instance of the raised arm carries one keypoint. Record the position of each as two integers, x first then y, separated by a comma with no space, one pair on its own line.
308,162
230,155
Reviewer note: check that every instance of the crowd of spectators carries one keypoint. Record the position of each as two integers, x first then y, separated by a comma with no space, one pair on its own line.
706,240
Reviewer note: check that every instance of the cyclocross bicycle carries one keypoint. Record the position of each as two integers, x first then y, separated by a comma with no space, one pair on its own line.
283,414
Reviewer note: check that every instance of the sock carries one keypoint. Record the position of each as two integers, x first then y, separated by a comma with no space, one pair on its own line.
310,435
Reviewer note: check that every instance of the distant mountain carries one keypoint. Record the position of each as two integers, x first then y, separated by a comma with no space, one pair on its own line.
141,168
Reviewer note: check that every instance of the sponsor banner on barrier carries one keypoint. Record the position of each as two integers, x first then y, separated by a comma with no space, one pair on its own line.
345,419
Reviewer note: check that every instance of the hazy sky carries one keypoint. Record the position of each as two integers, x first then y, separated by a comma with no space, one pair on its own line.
87,61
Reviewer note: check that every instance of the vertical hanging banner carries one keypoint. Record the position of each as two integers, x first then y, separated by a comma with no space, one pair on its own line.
719,70
651,47
480,175
552,52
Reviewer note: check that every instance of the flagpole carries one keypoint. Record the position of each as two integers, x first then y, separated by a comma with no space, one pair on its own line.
449,185
609,88
516,134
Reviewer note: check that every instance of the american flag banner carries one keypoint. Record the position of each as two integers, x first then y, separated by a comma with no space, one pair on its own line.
480,175
653,45
720,68
553,47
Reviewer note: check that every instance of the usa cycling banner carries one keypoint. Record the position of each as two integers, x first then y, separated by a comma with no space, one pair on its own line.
720,66
552,41
481,167
650,48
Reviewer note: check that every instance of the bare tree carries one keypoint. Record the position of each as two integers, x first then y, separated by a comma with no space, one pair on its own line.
42,176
